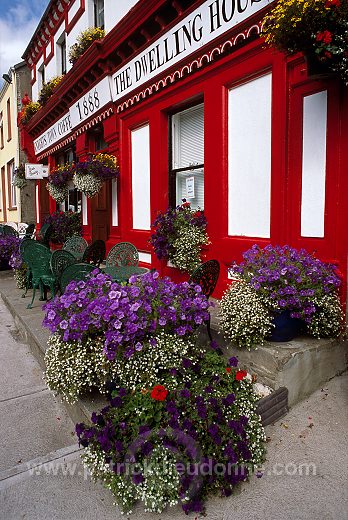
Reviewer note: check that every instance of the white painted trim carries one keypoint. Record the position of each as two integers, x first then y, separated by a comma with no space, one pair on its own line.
37,203
84,210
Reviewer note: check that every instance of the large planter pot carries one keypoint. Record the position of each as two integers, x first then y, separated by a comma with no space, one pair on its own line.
286,328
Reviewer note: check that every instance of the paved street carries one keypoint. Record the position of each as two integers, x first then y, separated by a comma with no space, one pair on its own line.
41,476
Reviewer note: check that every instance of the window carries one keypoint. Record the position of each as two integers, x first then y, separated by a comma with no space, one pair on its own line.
62,54
9,129
99,13
41,76
74,200
1,131
100,143
12,194
186,174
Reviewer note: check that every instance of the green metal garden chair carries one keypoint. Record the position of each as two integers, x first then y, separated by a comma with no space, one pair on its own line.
122,254
44,234
75,272
60,260
95,253
24,243
206,275
76,245
38,258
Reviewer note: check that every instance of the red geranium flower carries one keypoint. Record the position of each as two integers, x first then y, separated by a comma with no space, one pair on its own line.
241,374
324,36
228,370
159,393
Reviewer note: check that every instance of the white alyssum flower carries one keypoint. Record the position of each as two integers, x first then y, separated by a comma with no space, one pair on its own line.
87,183
244,319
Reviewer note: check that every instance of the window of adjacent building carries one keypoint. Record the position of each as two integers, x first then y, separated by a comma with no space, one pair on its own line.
99,13
186,174
12,194
61,54
1,131
9,129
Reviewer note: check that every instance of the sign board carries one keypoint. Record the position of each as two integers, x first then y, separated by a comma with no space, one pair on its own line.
53,134
36,171
190,188
204,24
91,102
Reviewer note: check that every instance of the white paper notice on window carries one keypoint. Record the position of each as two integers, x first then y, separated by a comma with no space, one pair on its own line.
190,188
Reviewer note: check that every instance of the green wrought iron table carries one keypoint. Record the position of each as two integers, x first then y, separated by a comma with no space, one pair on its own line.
123,273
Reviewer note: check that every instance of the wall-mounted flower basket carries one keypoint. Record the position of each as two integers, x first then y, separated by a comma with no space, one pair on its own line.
19,180
90,174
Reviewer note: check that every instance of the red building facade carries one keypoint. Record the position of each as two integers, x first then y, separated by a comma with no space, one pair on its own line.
194,105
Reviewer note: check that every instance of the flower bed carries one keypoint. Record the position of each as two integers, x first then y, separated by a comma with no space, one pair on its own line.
275,279
85,40
179,235
192,434
9,245
180,424
316,27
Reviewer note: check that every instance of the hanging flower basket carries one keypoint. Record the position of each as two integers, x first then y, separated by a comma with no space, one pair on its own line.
19,180
318,28
179,236
90,174
59,180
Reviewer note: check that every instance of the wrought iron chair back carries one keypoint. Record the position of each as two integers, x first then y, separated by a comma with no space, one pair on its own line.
75,272
60,260
123,254
76,245
206,275
38,258
95,253
30,230
25,242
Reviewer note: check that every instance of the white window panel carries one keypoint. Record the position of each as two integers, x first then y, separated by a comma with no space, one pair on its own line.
249,158
314,164
140,139
188,137
114,203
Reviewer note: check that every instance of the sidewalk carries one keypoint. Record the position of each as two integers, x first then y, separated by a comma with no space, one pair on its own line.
41,477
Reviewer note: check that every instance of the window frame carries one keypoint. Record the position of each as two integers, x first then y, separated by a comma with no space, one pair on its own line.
97,13
172,172
9,125
11,189
2,144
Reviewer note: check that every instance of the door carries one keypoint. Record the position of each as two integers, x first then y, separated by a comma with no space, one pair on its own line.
101,211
